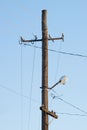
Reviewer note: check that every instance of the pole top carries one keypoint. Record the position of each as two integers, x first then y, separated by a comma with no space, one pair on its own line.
44,10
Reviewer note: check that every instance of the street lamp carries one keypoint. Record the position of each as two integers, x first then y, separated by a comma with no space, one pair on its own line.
62,80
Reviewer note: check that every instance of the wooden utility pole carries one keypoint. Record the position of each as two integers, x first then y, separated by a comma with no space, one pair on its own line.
44,70
44,39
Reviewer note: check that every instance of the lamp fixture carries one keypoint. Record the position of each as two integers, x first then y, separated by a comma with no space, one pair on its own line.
62,80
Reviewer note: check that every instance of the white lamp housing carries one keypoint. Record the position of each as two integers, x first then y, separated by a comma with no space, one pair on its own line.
63,80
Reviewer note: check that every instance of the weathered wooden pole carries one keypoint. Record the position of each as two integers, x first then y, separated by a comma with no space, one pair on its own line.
44,70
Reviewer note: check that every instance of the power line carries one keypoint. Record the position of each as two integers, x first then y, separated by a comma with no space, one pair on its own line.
10,90
58,61
62,52
18,93
72,114
70,104
21,86
29,117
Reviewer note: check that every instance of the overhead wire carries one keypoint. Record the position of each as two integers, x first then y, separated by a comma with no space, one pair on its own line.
70,104
14,92
58,61
71,114
62,52
32,76
39,122
57,69
9,89
18,93
81,110
21,86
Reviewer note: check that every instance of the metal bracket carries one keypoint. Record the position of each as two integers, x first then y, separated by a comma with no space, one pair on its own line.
51,113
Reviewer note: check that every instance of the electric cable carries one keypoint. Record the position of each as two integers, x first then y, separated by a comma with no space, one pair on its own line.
39,122
71,114
21,87
58,60
62,52
18,93
81,110
70,104
29,118
9,89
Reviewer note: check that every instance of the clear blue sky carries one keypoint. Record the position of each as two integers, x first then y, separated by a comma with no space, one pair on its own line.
20,66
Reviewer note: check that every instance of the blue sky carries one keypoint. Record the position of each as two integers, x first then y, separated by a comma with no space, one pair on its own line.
20,66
